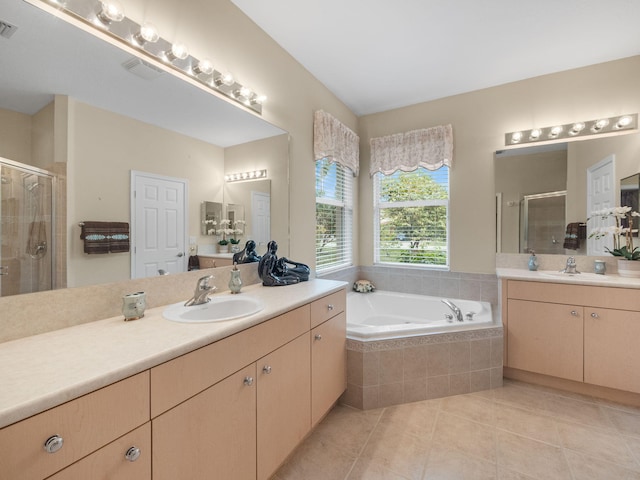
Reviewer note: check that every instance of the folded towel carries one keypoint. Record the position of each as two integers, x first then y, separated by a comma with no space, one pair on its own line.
576,231
105,237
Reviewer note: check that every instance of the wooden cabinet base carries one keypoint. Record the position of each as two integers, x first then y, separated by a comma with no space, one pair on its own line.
618,396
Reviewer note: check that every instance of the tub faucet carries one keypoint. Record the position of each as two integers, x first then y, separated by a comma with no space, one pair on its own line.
570,267
457,312
201,294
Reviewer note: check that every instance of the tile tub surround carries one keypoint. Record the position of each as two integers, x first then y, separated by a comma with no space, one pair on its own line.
392,372
461,285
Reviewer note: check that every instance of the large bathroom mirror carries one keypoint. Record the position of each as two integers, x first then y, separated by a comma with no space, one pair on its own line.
79,107
542,191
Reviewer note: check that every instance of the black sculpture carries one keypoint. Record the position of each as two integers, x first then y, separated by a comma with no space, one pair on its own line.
275,272
247,254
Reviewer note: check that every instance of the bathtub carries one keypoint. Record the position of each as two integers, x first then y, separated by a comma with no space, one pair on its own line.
383,315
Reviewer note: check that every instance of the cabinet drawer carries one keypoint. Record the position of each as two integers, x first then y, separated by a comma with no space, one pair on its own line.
85,425
587,295
110,463
326,307
206,262
179,379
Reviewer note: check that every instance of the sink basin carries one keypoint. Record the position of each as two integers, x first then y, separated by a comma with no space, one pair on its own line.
218,309
576,276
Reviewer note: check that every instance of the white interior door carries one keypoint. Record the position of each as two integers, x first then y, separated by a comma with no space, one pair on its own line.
261,218
159,224
601,194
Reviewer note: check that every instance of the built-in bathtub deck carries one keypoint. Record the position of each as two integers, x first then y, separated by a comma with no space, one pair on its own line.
402,370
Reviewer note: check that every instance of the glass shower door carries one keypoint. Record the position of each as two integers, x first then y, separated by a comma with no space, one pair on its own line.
26,227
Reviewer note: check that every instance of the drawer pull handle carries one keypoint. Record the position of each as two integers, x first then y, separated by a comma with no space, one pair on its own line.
132,454
267,369
330,307
318,336
574,313
595,315
53,444
248,381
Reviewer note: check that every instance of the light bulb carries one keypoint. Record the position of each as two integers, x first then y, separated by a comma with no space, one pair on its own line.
148,33
624,121
599,125
224,79
516,137
178,51
535,134
577,128
204,66
110,11
555,131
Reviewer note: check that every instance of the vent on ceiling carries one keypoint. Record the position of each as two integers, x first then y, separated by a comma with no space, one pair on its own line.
142,69
6,29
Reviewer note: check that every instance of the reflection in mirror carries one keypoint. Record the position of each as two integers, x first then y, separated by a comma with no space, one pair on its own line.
110,122
256,197
544,169
630,192
210,216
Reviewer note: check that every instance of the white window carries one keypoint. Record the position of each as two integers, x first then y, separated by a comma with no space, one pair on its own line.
412,218
334,216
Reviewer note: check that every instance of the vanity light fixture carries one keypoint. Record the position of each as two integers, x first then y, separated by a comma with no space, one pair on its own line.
108,18
573,130
251,175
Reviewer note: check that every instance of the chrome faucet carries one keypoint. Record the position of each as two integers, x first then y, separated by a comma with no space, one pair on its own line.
203,289
570,267
457,312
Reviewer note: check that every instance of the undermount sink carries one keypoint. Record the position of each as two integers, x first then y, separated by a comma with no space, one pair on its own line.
218,309
576,276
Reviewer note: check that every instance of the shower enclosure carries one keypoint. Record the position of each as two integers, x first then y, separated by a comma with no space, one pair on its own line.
26,228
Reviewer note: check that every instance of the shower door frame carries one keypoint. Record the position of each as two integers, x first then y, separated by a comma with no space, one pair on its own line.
30,169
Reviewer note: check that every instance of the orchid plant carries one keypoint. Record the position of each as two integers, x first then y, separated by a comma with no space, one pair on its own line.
618,231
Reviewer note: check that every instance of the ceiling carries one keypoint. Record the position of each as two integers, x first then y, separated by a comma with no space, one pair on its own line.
376,55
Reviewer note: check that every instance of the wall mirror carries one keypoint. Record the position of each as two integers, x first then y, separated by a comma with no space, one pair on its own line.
98,113
542,189
210,216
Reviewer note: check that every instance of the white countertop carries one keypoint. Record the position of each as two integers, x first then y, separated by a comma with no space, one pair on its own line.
553,276
42,371
216,255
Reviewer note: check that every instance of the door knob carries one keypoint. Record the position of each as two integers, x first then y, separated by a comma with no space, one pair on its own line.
180,254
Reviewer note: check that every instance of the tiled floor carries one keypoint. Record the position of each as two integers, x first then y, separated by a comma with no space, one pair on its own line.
517,432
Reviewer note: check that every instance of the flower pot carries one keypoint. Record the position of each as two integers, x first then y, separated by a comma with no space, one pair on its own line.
223,248
629,268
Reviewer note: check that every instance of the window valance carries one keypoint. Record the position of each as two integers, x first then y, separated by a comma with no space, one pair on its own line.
430,148
335,141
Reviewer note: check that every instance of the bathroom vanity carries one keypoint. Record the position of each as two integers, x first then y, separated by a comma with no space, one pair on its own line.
215,260
214,400
573,332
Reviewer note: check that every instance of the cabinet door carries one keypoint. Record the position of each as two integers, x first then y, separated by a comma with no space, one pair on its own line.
127,458
328,365
546,338
611,355
284,391
211,435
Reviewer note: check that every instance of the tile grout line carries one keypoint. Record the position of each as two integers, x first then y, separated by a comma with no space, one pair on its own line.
364,445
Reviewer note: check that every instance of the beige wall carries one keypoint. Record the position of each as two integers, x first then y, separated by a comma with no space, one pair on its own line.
480,119
15,136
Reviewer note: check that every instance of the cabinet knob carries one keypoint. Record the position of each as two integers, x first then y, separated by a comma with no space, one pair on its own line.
330,307
595,315
574,313
132,454
248,381
267,369
318,336
53,444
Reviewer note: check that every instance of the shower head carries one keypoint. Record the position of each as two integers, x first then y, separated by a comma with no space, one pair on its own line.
5,180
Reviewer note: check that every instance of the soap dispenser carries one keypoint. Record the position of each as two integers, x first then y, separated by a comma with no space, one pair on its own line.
235,282
533,261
